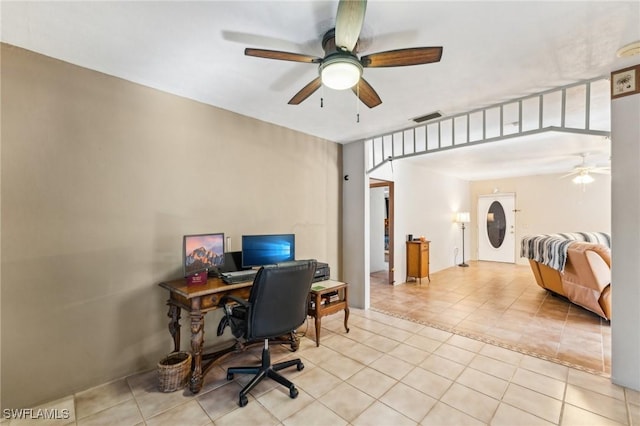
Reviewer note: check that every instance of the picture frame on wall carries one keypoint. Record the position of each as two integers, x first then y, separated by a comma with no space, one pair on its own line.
625,82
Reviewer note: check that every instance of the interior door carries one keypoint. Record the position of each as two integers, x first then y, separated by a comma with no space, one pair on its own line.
496,228
388,224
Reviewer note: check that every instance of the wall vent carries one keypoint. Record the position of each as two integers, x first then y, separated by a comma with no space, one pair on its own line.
431,116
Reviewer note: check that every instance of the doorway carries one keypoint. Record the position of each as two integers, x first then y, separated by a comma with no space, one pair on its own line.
382,224
496,228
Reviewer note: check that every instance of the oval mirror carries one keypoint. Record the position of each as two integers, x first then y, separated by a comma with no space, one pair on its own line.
496,224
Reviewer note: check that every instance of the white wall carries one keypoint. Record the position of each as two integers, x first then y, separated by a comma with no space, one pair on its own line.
425,203
625,333
548,204
376,229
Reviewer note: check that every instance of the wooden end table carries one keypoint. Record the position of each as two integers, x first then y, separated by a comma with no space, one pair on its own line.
322,304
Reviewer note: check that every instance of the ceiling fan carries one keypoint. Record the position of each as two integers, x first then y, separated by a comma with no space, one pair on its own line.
340,68
583,172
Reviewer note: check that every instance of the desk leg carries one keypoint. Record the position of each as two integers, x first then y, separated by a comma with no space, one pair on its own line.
317,330
346,318
346,309
174,326
318,315
197,340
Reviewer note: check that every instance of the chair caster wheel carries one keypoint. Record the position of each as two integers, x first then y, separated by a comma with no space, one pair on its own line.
243,401
229,376
300,367
293,392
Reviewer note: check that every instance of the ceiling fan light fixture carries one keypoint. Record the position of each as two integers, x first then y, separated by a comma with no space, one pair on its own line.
630,49
583,178
340,72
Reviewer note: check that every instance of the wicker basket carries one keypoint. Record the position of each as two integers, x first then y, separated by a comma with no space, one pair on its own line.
173,371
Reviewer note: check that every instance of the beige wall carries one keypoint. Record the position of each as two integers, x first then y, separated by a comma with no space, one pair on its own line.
101,178
548,204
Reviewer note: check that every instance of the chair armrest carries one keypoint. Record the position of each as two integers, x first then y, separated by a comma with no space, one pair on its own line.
229,297
231,317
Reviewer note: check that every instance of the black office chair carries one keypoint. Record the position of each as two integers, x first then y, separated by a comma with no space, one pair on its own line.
277,306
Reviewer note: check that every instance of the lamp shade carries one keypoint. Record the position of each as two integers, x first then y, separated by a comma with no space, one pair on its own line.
463,217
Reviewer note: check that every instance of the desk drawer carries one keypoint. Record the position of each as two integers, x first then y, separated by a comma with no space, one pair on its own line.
210,301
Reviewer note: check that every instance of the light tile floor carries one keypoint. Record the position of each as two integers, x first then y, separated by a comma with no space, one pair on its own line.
385,371
501,303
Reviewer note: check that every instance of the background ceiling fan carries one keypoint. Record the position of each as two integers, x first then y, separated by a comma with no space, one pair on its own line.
582,172
341,68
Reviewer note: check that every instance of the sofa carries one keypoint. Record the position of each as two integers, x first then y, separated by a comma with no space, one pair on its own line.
573,265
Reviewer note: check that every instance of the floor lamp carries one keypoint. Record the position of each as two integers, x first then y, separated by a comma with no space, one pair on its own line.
462,218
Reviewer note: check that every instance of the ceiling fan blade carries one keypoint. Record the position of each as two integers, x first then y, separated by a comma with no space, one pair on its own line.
306,91
402,57
366,93
601,171
283,56
349,20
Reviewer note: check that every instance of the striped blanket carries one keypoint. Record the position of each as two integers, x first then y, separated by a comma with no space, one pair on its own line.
551,249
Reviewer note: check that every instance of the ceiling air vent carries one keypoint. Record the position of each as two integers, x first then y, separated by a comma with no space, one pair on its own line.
431,116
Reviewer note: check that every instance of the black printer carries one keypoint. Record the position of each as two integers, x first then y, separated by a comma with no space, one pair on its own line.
322,272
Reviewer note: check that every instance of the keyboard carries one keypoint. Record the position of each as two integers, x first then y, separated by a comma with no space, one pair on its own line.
238,276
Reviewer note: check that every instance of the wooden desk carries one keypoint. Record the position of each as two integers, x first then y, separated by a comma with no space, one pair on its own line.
318,309
197,300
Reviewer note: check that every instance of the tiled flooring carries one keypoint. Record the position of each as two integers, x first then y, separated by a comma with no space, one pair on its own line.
385,371
501,303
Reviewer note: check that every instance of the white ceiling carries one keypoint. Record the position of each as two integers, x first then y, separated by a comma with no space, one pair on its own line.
544,153
493,52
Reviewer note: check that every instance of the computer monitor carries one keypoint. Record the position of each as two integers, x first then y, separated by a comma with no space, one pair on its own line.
202,252
259,250
232,262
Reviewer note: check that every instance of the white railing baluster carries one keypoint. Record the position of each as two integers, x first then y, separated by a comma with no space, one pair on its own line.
586,129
